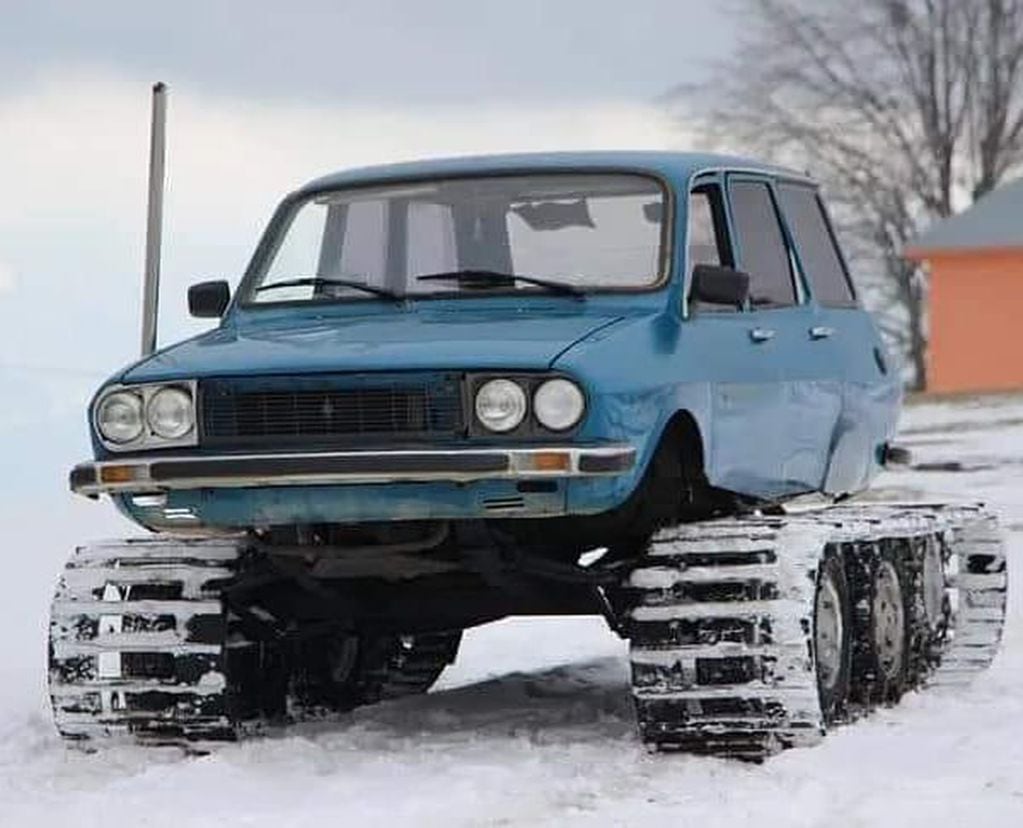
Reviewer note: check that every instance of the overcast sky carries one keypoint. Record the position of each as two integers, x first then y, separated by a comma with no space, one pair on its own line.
265,95
398,52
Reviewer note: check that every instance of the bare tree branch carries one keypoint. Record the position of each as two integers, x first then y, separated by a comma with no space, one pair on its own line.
905,110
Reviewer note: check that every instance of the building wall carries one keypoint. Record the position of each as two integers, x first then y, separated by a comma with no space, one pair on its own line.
976,321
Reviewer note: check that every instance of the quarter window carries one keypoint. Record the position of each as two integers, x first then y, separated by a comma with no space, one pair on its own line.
707,237
762,250
818,253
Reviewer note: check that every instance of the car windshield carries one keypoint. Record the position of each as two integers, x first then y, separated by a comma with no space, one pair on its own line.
553,234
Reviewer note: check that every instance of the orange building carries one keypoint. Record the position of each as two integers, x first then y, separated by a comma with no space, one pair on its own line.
975,260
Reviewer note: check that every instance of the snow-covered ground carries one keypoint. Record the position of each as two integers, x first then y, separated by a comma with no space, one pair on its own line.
533,725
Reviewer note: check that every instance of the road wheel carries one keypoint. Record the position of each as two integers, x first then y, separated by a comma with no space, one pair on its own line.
888,640
832,637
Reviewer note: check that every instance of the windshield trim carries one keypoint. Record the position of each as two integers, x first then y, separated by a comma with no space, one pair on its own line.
276,230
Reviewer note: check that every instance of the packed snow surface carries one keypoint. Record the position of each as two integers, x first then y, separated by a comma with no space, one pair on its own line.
533,725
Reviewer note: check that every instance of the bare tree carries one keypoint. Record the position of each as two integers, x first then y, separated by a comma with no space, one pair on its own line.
907,110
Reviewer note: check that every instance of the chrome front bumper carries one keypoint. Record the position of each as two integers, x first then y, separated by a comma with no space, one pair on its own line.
166,473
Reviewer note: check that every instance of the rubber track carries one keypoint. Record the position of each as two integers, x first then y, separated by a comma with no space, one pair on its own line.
139,646
143,651
721,619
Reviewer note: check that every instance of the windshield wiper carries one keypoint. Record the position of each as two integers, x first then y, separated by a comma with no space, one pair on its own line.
321,282
495,278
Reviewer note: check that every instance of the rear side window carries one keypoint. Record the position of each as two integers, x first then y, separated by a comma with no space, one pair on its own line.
762,250
818,252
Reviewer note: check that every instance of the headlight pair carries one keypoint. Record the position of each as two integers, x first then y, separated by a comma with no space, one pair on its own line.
502,404
147,416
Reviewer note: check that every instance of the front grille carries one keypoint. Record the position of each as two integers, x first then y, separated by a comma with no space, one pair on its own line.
331,409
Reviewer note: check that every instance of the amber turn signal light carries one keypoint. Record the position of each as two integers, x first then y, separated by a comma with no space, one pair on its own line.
119,474
546,461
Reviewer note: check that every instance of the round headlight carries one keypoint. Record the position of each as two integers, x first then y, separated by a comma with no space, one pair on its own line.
558,404
500,404
170,414
119,417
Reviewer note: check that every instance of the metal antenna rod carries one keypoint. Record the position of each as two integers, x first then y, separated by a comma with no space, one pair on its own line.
154,219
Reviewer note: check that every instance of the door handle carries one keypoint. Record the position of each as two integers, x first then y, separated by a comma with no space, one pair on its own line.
761,334
821,332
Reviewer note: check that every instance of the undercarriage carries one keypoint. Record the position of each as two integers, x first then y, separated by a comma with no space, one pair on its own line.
748,634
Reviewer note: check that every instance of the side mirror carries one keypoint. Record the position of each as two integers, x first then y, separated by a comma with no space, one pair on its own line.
719,285
209,300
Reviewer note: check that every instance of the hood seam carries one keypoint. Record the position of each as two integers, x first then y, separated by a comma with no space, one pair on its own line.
582,338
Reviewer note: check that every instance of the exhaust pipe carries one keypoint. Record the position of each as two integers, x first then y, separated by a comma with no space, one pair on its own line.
154,219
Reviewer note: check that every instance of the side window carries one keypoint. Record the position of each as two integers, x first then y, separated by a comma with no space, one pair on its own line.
762,248
818,251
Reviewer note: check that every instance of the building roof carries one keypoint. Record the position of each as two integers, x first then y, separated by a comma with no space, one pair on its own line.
995,221
669,164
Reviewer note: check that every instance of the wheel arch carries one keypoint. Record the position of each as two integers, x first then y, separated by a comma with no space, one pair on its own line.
683,429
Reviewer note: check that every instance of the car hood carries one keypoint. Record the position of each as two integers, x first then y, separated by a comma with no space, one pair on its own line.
428,341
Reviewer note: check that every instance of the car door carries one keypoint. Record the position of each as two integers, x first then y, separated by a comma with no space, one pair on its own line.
846,357
754,443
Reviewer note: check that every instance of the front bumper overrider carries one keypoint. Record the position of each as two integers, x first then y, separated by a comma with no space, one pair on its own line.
154,473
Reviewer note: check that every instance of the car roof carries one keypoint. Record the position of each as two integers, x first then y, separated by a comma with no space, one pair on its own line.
673,165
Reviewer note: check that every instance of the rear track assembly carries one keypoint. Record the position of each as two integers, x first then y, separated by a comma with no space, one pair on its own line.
722,614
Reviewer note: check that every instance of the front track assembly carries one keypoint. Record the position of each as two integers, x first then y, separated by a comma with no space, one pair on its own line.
146,648
754,634
140,646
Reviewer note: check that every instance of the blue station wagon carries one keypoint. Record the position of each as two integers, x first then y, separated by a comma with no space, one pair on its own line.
609,338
